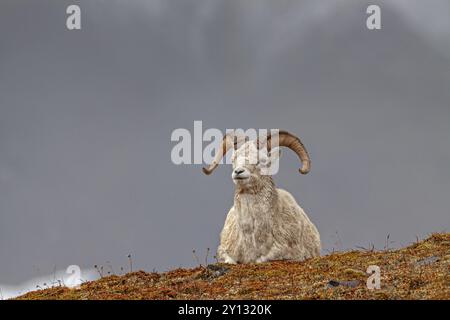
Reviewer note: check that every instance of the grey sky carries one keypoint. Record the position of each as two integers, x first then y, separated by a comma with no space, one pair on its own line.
86,118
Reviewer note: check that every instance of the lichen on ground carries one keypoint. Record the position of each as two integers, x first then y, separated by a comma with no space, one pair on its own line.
419,271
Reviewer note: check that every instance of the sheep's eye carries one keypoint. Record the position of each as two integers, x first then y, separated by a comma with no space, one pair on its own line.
262,161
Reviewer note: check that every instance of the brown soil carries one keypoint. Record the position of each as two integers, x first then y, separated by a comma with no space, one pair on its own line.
420,271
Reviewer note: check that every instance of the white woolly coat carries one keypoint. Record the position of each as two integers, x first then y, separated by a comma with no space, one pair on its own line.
267,225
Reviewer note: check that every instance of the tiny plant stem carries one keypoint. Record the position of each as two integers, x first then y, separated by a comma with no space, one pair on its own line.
206,258
131,262
196,257
110,267
99,271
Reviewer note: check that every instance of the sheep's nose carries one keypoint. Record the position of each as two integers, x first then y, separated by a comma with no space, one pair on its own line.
238,171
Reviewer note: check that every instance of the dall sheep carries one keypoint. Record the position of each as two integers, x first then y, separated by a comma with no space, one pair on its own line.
265,223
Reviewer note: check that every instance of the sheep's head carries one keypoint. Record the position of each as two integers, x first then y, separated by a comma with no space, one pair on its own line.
253,159
250,163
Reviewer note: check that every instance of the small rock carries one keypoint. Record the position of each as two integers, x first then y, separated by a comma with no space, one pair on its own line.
336,283
350,283
333,283
214,271
220,270
426,261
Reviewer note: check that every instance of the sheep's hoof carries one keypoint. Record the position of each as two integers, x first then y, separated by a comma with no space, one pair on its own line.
261,260
229,260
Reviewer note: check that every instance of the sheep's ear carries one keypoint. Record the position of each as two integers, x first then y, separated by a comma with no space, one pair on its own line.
272,167
275,154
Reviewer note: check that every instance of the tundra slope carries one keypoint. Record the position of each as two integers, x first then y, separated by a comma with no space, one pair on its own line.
265,223
419,271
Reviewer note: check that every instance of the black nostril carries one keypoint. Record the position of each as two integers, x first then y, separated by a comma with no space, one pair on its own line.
239,171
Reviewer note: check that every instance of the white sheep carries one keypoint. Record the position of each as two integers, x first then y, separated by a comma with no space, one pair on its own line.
265,223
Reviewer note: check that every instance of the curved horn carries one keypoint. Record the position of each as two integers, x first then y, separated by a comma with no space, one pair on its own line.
227,143
286,139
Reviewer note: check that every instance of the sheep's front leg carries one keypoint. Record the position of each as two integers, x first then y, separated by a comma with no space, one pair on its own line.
228,259
224,256
228,238
273,254
261,259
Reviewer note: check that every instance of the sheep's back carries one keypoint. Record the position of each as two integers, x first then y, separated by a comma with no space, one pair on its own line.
293,228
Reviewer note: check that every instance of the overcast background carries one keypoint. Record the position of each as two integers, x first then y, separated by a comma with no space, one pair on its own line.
86,118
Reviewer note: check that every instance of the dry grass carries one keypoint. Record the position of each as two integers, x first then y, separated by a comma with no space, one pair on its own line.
420,271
